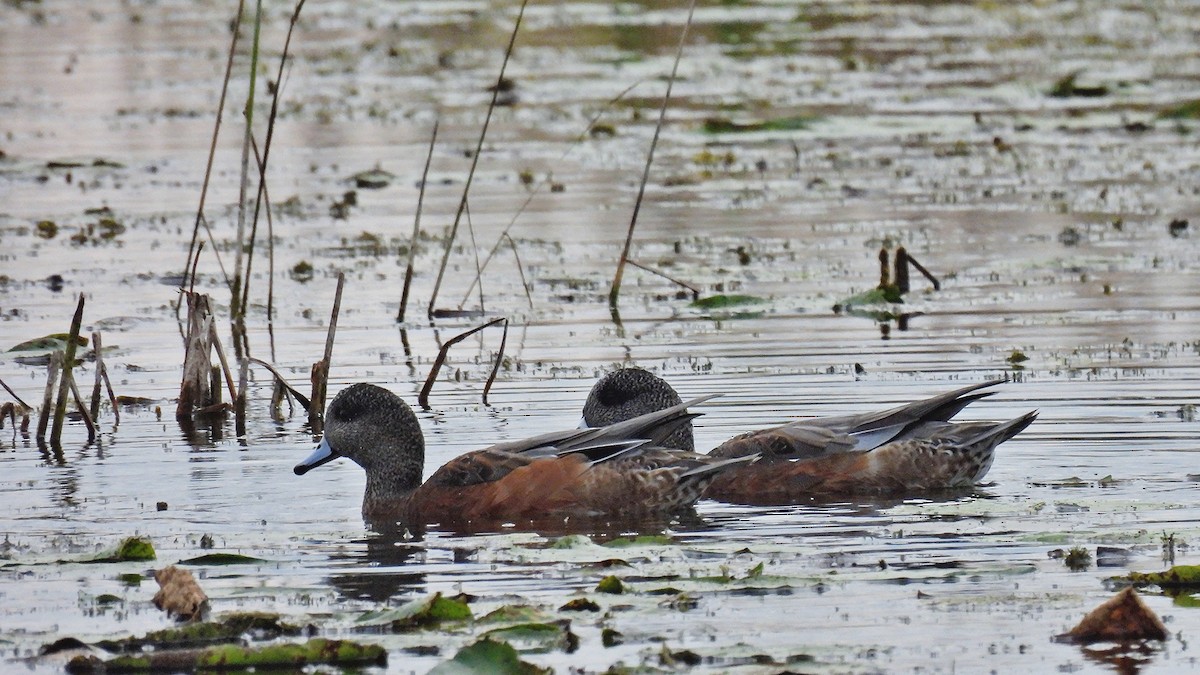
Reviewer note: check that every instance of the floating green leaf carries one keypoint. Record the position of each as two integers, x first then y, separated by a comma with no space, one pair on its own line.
228,629
1179,576
722,125
1068,87
580,605
221,559
889,294
48,343
610,584
537,637
723,301
1189,110
373,179
130,549
237,657
487,657
422,613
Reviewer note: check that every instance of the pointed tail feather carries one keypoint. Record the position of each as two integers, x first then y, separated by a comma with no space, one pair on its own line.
1004,431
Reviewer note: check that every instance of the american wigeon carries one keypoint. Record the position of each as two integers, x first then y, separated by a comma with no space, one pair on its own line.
619,470
908,449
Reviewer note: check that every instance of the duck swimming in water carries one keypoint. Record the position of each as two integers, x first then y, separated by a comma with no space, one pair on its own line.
619,470
908,449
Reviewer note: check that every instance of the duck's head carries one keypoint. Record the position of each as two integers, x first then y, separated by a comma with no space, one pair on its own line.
376,430
629,392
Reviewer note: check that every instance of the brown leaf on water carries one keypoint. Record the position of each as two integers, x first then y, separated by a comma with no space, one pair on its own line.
1123,618
179,594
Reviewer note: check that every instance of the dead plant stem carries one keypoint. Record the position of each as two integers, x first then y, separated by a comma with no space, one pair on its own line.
462,204
615,293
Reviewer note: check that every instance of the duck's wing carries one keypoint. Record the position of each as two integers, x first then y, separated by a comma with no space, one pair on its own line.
940,408
824,436
652,429
591,446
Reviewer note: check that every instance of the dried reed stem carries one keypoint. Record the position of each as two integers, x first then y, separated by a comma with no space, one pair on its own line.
320,369
520,271
193,248
56,360
536,189
423,397
412,244
695,291
487,386
14,395
64,385
216,343
937,285
94,407
462,204
900,270
237,312
83,411
194,390
614,294
262,199
300,398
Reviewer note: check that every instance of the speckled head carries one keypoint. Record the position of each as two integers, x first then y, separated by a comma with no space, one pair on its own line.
629,392
376,430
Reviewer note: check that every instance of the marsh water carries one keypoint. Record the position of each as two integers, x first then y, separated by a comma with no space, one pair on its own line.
801,138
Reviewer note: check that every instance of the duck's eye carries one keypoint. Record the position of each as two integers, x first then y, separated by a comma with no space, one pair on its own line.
340,413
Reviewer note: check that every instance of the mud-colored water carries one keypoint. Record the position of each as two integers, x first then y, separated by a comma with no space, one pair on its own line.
925,124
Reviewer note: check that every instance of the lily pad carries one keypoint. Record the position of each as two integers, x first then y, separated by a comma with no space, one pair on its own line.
130,549
423,613
48,343
1189,110
1179,576
876,296
723,301
487,657
373,179
539,637
238,657
722,125
221,559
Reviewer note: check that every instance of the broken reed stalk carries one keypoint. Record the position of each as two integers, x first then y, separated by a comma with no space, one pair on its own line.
520,271
412,244
695,291
423,397
64,385
102,376
937,285
614,293
300,398
900,271
83,411
462,204
320,369
536,189
56,360
475,248
487,386
261,199
9,410
216,343
194,391
94,408
193,248
237,312
13,394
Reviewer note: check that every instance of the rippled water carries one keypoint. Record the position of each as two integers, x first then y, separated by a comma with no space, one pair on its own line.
1047,219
